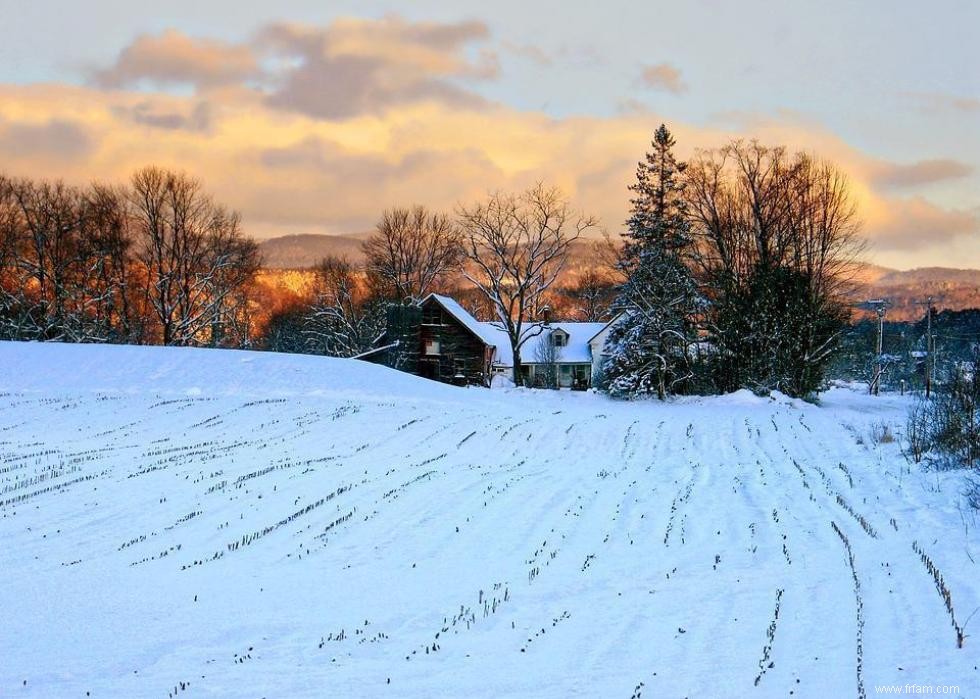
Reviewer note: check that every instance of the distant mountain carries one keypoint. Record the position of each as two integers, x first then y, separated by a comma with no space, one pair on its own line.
301,251
869,274
953,289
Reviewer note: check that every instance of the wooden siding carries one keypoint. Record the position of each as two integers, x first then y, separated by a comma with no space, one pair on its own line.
461,357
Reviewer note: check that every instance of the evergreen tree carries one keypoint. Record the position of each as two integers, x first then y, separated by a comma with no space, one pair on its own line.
648,345
761,333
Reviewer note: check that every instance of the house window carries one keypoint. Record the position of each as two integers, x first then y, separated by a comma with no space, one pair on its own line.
432,347
559,338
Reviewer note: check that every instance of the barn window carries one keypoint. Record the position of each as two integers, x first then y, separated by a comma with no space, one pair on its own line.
432,315
432,347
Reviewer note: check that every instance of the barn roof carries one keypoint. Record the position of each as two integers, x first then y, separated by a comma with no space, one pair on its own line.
452,307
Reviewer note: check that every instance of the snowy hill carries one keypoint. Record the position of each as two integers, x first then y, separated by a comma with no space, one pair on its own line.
198,523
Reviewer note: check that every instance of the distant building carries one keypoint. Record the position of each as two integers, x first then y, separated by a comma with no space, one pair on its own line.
441,340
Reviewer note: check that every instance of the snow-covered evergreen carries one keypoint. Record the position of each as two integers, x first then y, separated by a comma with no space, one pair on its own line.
648,345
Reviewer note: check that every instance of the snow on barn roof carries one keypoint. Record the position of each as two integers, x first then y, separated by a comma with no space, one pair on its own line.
468,321
577,350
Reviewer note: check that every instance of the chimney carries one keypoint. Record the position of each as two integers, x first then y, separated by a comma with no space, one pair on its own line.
546,315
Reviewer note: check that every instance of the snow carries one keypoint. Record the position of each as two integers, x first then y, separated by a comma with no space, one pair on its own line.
493,335
577,351
208,523
467,320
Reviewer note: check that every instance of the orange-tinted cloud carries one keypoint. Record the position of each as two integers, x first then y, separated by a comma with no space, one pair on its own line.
923,172
53,139
663,76
359,66
189,117
350,67
938,101
914,223
174,58
296,154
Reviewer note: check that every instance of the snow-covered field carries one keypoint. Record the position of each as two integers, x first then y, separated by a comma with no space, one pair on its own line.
199,523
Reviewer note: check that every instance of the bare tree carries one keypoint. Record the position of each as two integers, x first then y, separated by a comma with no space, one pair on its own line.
108,247
547,356
342,320
231,262
9,227
161,242
50,217
106,264
194,253
411,252
10,243
945,428
517,245
754,206
592,294
770,225
52,253
63,262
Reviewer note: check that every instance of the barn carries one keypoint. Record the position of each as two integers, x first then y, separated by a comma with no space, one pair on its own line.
441,340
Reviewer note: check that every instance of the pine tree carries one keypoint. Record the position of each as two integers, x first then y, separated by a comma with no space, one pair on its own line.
648,345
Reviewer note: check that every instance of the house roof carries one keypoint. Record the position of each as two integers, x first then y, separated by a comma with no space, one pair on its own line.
605,325
577,351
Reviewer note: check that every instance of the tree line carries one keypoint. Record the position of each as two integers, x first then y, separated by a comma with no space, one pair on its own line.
731,273
736,266
501,257
156,261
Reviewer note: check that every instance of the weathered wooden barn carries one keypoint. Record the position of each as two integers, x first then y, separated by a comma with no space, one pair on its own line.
438,340
441,340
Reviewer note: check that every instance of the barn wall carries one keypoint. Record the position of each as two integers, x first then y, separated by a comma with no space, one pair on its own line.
460,353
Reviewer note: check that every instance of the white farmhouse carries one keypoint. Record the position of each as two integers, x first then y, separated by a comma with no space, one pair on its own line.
567,352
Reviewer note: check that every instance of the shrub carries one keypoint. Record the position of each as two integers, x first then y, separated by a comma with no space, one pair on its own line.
882,434
917,431
971,492
948,425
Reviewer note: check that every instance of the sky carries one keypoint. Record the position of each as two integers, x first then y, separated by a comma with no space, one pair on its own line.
312,117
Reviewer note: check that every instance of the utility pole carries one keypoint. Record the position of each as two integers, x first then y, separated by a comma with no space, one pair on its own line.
879,306
881,332
930,367
930,350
